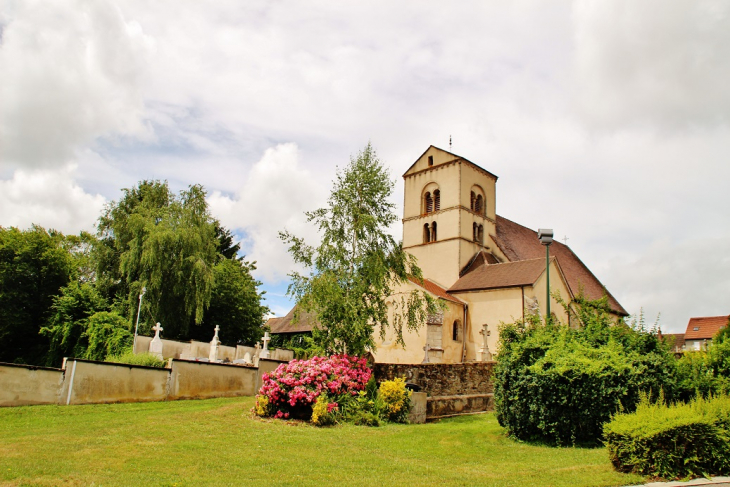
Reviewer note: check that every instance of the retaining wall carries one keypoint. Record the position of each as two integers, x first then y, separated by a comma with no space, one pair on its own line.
91,382
22,385
452,389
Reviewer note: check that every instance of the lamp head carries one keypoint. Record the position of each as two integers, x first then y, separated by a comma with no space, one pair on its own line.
545,235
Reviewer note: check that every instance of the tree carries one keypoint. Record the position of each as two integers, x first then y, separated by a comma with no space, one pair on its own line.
235,305
357,264
34,265
167,244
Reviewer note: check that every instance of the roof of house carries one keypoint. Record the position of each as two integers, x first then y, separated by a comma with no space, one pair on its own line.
520,243
676,339
284,324
494,276
436,290
705,327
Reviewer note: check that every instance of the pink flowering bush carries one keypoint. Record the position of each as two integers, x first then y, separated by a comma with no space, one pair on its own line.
292,389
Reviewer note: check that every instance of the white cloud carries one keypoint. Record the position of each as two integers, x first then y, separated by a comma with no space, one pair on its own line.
274,197
71,72
49,198
653,62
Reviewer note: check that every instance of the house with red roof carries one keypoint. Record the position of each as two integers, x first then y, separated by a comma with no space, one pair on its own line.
700,331
485,269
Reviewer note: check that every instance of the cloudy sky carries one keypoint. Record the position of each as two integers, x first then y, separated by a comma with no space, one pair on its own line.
607,121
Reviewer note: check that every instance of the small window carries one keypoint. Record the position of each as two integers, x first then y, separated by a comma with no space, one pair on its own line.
433,232
436,200
479,204
480,235
456,331
429,203
426,234
475,231
430,160
696,328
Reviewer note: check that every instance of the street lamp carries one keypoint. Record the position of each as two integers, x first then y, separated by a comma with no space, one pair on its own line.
136,327
545,235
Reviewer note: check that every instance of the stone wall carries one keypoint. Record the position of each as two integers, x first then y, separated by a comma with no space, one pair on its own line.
194,349
452,389
442,379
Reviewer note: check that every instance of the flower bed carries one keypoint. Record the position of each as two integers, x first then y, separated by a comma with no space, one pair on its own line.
292,389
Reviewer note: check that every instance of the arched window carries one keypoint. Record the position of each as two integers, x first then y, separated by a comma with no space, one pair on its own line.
475,230
433,232
428,203
473,200
481,234
426,233
437,200
478,204
456,331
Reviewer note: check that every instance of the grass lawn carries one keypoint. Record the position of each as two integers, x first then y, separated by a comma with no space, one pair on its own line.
218,442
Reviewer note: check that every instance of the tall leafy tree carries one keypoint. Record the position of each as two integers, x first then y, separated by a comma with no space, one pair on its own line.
34,265
164,242
357,264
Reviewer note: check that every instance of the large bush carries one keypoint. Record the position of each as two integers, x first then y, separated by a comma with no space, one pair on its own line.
559,385
672,441
292,389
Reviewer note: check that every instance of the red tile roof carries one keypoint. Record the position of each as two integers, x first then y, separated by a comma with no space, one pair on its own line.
706,327
520,243
676,340
494,276
436,290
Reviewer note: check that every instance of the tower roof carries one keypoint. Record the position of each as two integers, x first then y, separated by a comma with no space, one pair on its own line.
451,158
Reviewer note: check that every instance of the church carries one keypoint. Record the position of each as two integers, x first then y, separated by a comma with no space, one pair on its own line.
484,269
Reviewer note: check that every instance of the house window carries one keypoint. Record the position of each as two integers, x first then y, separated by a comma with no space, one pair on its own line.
426,233
430,160
456,331
433,232
436,200
696,328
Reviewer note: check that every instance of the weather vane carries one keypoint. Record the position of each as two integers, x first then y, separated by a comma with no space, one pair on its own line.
449,143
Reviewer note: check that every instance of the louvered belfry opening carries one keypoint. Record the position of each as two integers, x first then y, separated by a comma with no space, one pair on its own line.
433,232
437,200
475,232
473,201
429,203
479,204
480,234
426,233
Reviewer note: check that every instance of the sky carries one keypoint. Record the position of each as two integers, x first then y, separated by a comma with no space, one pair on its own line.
606,121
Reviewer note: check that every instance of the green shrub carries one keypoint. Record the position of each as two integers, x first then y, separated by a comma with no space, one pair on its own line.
672,441
130,358
364,418
559,385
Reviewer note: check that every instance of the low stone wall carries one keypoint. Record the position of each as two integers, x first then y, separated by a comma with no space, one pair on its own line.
198,380
23,385
194,349
90,382
452,389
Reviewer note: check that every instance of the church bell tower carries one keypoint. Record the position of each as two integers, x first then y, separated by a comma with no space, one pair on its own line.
448,213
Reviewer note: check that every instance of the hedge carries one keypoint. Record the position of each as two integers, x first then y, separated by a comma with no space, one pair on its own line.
673,441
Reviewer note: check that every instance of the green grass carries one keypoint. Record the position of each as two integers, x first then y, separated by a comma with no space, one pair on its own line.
218,442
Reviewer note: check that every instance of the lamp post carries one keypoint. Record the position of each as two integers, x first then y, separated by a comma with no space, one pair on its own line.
136,326
545,235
